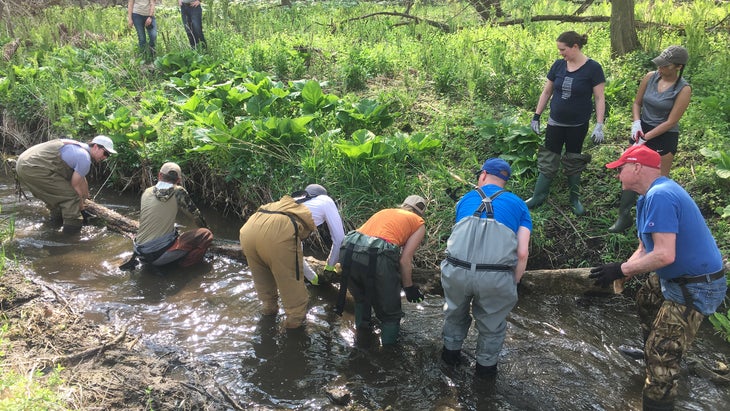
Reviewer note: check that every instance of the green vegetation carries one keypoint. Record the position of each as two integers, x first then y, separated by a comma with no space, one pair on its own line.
374,108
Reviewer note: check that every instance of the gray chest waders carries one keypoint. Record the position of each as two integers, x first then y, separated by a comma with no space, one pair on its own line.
369,282
485,206
296,237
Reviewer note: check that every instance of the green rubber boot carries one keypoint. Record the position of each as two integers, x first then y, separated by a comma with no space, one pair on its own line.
362,318
574,186
542,188
389,333
628,199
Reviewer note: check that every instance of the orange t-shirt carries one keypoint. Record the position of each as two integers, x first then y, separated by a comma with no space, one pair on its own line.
394,225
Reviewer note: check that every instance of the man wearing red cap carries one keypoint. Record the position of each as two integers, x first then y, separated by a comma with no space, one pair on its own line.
688,282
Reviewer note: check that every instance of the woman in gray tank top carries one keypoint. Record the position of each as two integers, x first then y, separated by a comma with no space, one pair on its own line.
660,102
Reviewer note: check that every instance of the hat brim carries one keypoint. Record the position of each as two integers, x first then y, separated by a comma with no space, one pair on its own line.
616,164
659,61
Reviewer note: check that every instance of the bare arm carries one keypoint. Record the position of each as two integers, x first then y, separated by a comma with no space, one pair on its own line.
643,262
547,91
680,106
406,256
130,6
523,251
81,186
600,99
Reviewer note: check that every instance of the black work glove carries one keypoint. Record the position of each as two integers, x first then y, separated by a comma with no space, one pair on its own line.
327,276
87,215
606,274
413,294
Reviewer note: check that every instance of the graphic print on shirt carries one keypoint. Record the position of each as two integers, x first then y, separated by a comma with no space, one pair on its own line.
567,86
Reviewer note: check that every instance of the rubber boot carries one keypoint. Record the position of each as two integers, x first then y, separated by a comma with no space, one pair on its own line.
72,226
451,357
647,404
542,188
362,318
574,186
628,200
485,371
389,333
56,218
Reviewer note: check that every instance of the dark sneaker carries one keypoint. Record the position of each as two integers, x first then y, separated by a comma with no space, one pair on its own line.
486,371
451,357
632,352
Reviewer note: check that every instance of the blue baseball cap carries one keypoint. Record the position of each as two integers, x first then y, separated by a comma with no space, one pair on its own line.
497,167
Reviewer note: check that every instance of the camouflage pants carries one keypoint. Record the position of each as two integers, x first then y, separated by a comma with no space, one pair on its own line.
669,329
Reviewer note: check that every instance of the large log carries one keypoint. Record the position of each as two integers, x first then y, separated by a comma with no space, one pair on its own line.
562,281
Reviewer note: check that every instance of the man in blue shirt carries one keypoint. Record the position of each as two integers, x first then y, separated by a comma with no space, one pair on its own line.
689,281
486,256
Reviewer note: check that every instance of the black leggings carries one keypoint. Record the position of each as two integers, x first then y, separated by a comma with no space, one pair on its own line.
571,137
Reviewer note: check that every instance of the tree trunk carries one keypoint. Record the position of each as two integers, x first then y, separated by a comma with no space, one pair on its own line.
484,8
623,31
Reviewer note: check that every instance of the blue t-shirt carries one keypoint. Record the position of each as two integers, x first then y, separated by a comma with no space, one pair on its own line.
509,209
571,103
668,208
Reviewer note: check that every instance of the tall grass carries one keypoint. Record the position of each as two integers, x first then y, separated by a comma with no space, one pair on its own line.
195,108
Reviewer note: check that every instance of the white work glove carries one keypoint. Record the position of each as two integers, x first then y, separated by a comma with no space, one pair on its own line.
640,141
636,131
597,135
535,123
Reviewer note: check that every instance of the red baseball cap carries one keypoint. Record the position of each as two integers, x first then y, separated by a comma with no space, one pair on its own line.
638,154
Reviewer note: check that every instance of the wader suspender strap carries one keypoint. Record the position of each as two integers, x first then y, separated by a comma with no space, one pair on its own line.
346,264
485,205
296,237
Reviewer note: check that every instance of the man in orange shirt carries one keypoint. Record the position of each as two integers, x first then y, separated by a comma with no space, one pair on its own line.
377,261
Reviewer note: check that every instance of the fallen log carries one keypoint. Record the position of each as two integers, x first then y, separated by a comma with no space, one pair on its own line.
560,281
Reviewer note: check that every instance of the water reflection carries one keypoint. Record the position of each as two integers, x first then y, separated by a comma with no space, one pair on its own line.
560,352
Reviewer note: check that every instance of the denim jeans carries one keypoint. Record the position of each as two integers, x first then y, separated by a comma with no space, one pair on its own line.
192,18
706,296
139,21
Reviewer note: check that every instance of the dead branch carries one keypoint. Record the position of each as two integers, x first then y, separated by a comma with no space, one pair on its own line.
91,351
228,398
441,26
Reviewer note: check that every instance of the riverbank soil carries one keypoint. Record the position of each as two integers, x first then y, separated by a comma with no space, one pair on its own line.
102,369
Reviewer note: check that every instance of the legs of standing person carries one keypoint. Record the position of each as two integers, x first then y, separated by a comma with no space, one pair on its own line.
142,31
192,18
574,162
649,299
457,318
386,295
56,192
548,161
268,243
495,295
671,335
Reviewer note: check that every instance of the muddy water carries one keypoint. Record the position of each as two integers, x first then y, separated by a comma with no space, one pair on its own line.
561,350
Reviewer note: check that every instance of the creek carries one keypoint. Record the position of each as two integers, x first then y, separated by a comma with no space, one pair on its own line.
561,351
